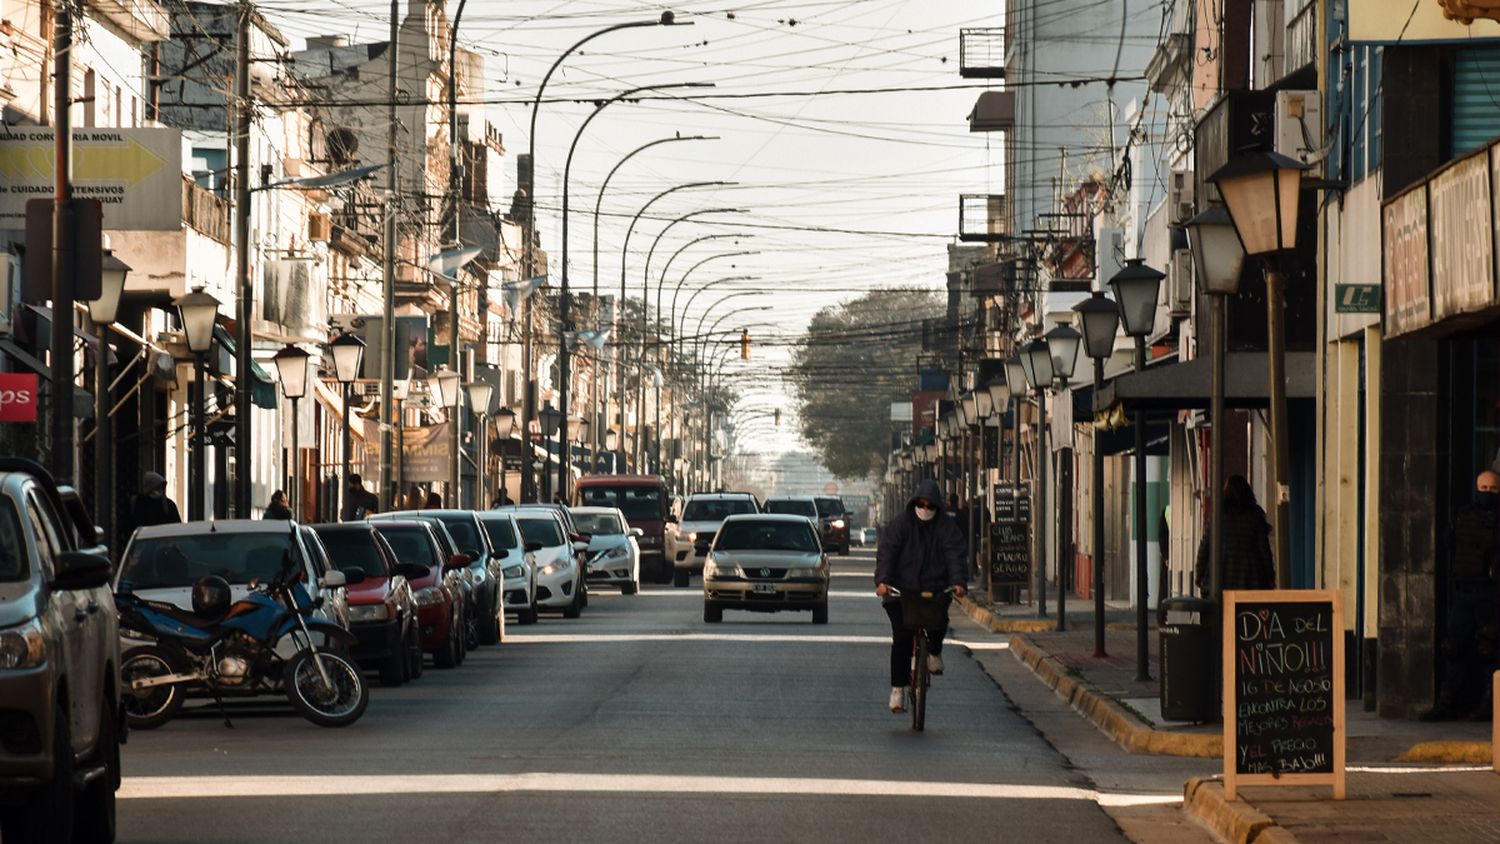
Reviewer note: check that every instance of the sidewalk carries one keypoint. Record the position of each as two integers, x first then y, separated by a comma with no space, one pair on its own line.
1407,779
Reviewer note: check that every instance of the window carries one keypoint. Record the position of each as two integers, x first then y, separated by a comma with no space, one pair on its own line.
12,544
830,507
710,510
766,535
465,534
172,562
601,524
543,530
793,507
502,533
410,544
636,502
353,549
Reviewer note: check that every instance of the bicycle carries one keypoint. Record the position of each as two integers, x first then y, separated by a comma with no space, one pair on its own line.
919,613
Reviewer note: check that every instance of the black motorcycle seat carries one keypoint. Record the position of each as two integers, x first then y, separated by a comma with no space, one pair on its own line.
180,614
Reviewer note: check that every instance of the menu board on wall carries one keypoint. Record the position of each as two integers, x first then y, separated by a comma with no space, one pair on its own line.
1283,689
1408,301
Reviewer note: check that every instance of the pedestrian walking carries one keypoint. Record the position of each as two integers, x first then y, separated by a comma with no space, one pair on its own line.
921,550
1469,642
414,499
434,502
503,499
359,503
278,508
151,506
1247,559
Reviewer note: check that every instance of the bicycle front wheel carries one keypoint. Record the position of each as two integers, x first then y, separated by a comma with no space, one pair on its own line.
919,682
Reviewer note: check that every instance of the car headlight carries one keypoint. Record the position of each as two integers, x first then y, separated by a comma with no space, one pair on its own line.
716,569
555,567
515,571
692,536
368,612
619,552
838,523
429,596
23,646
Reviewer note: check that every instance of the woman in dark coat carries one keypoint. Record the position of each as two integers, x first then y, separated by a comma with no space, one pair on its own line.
1248,563
277,509
921,550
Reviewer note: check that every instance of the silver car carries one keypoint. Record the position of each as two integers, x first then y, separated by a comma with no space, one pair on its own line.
765,563
614,555
519,565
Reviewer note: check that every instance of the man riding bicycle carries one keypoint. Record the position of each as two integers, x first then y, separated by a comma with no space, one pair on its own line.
921,550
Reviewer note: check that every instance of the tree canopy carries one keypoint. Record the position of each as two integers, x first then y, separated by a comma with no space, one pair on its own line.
853,361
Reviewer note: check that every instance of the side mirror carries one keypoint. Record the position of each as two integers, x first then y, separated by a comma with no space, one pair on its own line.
412,571
77,570
333,579
580,545
533,547
458,561
638,532
352,576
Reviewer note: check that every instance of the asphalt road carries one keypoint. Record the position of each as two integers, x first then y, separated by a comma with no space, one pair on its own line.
636,722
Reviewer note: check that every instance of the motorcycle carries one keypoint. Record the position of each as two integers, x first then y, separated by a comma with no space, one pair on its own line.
236,649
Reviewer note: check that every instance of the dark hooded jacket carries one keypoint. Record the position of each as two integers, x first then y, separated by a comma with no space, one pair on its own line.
918,555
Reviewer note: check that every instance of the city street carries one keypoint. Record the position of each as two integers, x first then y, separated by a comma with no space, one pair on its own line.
637,721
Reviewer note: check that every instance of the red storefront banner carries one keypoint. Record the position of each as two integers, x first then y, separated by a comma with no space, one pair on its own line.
18,397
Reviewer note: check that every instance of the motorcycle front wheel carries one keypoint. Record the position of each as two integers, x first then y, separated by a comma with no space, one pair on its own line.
337,703
149,708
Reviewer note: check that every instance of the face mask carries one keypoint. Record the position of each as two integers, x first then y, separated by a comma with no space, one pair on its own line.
156,493
926,515
1486,500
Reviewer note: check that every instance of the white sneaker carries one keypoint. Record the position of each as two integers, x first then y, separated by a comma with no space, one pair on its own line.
934,664
898,699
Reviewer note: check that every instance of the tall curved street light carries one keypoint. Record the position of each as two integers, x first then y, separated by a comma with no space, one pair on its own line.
564,375
662,281
528,252
676,291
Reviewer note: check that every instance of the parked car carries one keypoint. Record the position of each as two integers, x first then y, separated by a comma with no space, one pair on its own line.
766,563
614,558
518,563
833,523
645,501
560,583
701,516
485,570
59,655
438,592
382,611
335,598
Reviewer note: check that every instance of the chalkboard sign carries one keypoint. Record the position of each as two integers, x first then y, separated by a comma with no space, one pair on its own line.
1010,505
1010,554
1283,688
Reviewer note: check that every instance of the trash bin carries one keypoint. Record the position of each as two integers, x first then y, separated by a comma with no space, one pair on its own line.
1189,660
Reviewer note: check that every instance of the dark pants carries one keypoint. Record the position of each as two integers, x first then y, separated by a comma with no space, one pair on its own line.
901,642
1468,647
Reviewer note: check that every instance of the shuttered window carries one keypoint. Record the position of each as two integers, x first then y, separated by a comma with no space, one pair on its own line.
1476,98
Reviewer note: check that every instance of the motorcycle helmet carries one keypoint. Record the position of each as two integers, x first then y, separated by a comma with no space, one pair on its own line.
211,596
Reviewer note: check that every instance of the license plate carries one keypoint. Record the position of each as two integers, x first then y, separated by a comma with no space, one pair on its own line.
764,588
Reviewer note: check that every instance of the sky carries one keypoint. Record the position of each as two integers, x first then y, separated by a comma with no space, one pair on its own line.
840,124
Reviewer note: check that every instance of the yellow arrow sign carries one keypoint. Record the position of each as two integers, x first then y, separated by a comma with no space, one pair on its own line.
124,160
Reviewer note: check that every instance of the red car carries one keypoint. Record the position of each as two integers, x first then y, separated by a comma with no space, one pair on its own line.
382,611
438,593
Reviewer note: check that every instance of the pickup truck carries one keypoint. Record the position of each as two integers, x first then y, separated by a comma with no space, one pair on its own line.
61,726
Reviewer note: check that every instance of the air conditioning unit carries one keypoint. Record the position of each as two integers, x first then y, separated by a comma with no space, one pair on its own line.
1180,283
319,227
1180,197
1299,127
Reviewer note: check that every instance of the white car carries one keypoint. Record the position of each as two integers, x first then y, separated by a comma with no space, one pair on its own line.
614,554
559,579
519,564
701,517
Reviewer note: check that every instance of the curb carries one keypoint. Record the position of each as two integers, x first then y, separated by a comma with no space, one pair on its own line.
1451,752
1237,822
1110,717
997,624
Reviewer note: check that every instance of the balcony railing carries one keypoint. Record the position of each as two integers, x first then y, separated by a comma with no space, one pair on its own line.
205,211
981,53
983,218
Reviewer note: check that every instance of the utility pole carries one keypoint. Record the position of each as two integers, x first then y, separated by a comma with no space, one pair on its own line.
455,174
245,290
388,493
62,248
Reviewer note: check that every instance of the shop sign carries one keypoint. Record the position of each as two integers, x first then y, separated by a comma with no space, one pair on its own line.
1356,298
18,394
135,173
1408,305
1463,264
423,451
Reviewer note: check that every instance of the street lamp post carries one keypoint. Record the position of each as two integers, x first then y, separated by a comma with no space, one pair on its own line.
505,423
102,313
480,393
348,353
998,390
1036,362
1261,193
446,387
1100,317
1062,346
199,311
612,442
550,420
291,370
1136,288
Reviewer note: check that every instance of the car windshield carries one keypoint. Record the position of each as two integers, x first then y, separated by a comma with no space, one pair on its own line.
174,562
502,533
792,508
544,531
12,545
596,524
830,507
353,549
715,510
636,502
765,535
410,544
464,532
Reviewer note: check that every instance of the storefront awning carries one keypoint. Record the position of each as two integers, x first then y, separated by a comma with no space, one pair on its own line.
262,388
1185,385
